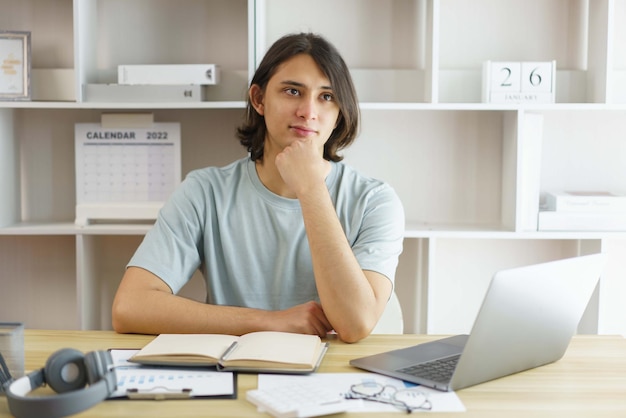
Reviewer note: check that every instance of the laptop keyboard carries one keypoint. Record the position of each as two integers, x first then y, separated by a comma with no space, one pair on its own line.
437,370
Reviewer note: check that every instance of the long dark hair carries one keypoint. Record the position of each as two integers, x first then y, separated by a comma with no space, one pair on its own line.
252,132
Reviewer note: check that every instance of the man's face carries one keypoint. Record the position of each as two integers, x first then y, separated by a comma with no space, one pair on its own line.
298,102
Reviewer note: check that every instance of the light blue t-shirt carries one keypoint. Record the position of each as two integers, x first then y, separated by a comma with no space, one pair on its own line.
250,243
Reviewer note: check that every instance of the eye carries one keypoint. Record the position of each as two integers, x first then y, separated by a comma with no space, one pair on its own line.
328,97
292,91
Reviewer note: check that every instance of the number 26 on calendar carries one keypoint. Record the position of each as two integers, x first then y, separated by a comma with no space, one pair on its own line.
519,82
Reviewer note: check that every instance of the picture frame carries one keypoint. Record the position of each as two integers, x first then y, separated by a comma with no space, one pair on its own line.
15,65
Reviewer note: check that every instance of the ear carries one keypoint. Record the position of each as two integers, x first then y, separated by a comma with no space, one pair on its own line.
256,98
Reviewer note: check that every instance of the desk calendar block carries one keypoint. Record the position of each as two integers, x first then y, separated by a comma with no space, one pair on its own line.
125,173
519,82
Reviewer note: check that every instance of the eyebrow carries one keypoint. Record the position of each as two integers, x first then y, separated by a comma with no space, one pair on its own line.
298,84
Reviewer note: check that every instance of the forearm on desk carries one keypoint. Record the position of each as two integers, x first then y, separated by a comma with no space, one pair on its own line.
145,304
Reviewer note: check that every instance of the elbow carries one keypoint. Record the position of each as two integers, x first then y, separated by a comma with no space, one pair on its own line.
351,338
118,322
353,333
120,318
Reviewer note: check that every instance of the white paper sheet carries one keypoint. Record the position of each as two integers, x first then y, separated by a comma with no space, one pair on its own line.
341,382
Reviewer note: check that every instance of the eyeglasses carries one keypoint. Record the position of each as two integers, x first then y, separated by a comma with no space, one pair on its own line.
407,399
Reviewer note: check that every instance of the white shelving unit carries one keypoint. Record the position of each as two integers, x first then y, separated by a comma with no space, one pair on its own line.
471,175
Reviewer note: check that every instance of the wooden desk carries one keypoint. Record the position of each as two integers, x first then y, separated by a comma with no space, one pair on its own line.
590,381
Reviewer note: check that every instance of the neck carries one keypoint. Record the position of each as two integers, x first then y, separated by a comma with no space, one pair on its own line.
271,178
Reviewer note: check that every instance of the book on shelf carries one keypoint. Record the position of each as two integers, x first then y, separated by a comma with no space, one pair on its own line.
585,201
202,74
581,221
263,351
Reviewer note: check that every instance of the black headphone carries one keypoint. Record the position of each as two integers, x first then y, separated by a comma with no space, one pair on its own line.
66,371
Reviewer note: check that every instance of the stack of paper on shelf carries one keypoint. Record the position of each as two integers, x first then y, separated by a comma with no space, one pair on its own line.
583,211
119,93
156,83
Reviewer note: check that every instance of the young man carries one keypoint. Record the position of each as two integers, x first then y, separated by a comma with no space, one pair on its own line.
288,239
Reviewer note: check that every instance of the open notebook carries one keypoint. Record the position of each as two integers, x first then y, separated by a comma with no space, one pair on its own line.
263,351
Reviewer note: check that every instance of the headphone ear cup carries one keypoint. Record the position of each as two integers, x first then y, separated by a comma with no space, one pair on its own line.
98,364
65,370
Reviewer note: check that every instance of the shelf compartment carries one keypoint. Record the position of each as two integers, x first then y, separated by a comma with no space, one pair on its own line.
101,263
570,32
163,32
583,150
460,271
52,43
45,190
38,278
50,24
386,44
448,167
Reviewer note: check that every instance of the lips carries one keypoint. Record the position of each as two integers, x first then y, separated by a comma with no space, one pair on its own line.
302,130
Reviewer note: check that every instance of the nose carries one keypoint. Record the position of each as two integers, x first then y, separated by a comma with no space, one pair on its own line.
307,108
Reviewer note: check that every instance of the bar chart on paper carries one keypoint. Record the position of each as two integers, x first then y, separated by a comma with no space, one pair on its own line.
125,174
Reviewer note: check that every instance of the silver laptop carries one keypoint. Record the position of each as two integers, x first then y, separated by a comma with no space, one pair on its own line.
526,320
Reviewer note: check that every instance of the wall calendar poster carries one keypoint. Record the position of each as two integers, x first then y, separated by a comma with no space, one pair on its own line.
125,174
